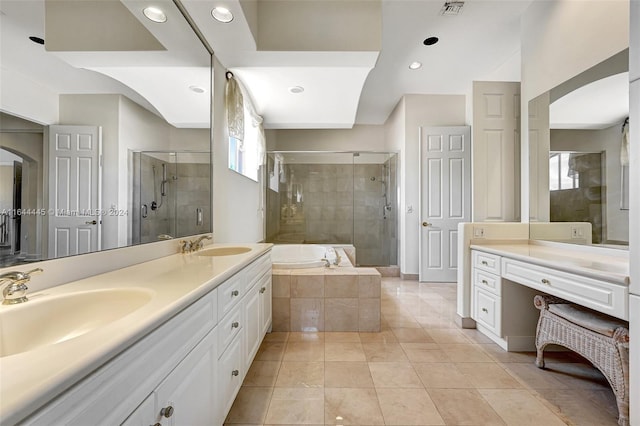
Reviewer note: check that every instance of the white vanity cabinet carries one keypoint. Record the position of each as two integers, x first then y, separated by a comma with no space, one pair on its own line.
187,371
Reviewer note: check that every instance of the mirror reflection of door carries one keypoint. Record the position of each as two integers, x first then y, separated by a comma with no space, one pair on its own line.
75,217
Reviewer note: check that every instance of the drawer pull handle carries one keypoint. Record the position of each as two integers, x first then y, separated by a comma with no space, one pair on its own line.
235,324
167,411
485,263
485,310
263,289
485,282
235,372
235,293
546,281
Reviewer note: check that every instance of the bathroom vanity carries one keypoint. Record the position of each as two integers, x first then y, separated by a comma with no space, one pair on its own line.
506,276
190,326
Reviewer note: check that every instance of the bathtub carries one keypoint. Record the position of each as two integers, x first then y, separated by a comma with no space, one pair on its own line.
297,256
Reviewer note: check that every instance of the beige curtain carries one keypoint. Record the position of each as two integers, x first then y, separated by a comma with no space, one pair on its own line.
234,105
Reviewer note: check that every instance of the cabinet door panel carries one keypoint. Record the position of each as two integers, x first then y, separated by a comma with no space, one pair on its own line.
190,389
265,304
143,414
253,324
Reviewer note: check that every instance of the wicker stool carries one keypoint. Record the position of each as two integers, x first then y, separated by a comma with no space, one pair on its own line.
601,339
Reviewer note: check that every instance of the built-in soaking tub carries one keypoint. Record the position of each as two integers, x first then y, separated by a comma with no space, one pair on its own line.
309,296
297,256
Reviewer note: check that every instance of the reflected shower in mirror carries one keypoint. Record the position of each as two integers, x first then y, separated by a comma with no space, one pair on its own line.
76,109
578,176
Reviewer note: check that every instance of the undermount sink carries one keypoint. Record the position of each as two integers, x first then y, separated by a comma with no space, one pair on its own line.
223,251
49,320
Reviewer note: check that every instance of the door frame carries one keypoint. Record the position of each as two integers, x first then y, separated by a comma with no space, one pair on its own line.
469,199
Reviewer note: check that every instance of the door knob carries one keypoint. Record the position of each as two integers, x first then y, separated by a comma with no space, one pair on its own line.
92,222
425,224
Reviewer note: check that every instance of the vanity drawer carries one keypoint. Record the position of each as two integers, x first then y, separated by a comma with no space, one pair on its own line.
230,293
486,281
486,261
487,310
257,269
601,296
229,327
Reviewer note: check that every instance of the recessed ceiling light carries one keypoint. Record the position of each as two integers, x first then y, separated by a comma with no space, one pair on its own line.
296,89
415,65
37,40
430,41
196,89
222,14
155,14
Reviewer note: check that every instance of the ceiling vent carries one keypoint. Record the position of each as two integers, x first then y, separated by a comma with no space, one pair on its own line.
451,8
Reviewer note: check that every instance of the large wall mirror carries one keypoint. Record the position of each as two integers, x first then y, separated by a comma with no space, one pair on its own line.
105,114
579,173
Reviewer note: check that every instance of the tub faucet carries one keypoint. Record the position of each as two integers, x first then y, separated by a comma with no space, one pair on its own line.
326,261
16,291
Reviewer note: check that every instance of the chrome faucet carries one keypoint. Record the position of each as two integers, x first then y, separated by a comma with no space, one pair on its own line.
198,244
186,246
16,291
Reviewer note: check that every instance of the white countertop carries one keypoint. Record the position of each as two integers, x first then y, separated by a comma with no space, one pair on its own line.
594,262
28,380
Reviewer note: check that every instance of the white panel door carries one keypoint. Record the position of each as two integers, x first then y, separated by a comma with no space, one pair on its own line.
445,198
74,217
496,151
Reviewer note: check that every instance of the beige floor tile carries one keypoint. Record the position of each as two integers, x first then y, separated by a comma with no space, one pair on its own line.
262,374
304,351
441,375
382,337
299,336
394,375
342,337
276,336
519,407
500,355
475,336
464,407
578,406
486,375
352,407
533,377
429,322
412,335
295,374
296,406
448,336
400,321
250,406
577,375
270,351
347,375
465,353
349,351
408,407
384,352
424,352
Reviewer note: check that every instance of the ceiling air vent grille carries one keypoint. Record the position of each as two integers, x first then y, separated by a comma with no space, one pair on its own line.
451,8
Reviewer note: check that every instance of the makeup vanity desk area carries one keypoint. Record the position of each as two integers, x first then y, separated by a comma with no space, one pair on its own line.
505,276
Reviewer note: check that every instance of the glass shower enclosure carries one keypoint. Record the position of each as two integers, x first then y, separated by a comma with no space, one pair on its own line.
335,198
170,193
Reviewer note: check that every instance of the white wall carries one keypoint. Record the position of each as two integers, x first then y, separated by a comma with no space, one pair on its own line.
100,110
359,138
420,110
237,215
561,39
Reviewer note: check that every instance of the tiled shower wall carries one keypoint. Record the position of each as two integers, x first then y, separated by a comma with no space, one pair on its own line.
337,204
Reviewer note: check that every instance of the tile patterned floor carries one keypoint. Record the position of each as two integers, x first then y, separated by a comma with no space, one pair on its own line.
420,370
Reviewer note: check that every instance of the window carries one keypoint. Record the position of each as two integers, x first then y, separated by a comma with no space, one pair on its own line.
562,175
